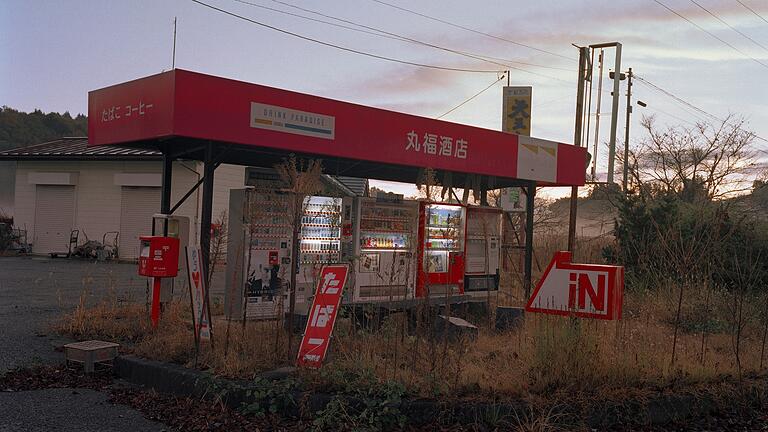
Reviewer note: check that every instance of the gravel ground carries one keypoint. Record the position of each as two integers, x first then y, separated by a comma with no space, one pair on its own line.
35,291
76,410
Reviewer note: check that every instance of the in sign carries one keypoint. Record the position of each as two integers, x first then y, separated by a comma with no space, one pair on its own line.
582,290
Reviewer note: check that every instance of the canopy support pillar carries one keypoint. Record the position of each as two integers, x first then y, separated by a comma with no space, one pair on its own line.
165,189
527,271
206,210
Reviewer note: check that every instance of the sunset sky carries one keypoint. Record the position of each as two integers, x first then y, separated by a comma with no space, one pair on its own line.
53,52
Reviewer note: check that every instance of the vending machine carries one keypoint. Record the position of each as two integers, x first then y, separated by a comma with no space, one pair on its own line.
441,249
258,255
320,241
483,250
385,259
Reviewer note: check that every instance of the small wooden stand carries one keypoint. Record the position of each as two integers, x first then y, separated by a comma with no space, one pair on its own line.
90,352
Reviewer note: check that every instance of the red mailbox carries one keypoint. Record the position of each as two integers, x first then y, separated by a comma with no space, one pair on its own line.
159,256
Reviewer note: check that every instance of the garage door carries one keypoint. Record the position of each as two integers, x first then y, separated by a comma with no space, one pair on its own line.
138,204
54,218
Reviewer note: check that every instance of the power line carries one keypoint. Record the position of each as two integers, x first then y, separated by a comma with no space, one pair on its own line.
672,115
729,26
319,20
688,104
390,35
753,11
711,34
470,29
683,104
526,63
472,97
342,48
676,98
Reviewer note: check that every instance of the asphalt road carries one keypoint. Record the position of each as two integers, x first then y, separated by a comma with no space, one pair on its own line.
35,291
75,410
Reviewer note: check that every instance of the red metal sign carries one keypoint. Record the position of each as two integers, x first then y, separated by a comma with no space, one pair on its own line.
186,104
322,315
582,290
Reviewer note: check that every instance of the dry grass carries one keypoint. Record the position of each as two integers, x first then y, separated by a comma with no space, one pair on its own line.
251,347
548,357
107,319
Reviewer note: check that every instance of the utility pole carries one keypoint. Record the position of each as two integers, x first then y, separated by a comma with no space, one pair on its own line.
173,60
626,131
597,114
615,105
583,54
614,114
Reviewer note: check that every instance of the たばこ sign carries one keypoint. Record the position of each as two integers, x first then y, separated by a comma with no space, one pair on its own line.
322,315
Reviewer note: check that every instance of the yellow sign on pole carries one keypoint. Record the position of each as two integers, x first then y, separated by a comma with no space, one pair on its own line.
516,110
515,118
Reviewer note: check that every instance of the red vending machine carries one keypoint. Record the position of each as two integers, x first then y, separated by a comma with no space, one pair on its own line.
441,253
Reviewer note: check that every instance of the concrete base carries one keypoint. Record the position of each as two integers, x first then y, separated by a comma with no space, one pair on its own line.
508,318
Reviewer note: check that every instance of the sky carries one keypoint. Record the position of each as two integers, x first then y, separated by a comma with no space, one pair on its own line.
52,52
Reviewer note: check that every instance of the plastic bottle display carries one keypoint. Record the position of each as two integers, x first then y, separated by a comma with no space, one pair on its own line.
320,231
385,226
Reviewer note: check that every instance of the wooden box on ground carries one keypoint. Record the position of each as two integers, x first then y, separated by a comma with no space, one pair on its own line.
90,352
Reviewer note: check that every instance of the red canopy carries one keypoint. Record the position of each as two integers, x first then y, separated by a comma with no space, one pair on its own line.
178,108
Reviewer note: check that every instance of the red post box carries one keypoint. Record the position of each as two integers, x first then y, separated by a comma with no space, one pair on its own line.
159,256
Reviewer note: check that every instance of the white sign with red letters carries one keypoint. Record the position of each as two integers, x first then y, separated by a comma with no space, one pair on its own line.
322,315
197,293
582,290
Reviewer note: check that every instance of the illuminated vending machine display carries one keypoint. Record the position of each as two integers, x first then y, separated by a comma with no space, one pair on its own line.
441,255
320,241
387,236
483,250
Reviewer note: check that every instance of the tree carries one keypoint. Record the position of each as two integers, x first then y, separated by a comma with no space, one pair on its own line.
302,179
20,129
705,161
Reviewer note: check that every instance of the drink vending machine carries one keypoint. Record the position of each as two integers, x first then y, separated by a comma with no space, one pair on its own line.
326,229
259,250
441,249
483,250
258,255
400,249
386,241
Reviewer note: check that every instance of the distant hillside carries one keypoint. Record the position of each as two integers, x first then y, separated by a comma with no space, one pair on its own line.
20,129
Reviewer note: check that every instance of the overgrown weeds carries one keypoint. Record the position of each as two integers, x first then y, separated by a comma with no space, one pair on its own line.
545,355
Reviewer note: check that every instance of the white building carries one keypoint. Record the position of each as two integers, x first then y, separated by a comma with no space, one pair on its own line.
65,185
